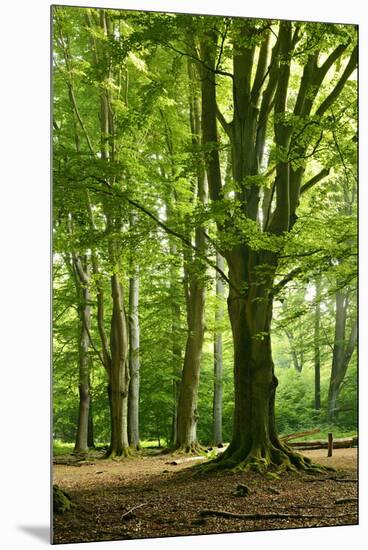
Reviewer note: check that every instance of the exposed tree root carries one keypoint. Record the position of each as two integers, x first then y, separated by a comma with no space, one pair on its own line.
276,515
193,448
112,454
264,459
61,501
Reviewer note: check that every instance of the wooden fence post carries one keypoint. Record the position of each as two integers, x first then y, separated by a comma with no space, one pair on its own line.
330,444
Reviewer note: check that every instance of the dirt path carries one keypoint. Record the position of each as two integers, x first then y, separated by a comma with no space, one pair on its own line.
167,500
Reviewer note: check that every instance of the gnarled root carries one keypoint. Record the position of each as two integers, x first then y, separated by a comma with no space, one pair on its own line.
193,448
112,454
264,459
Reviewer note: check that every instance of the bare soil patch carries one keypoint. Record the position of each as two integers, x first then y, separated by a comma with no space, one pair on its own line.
147,496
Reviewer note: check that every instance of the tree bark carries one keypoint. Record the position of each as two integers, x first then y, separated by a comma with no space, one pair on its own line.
317,358
217,353
91,431
84,309
188,397
176,347
342,352
134,364
119,380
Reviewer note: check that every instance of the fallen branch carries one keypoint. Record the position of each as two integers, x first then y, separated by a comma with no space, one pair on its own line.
346,500
67,461
299,434
183,460
343,443
131,509
275,515
73,462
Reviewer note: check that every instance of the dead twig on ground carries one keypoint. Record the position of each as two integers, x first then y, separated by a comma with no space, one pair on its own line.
275,515
134,508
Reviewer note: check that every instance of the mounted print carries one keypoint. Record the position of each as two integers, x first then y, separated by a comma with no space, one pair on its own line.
204,275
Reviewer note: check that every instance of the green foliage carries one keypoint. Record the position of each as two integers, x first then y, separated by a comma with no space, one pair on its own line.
61,448
138,64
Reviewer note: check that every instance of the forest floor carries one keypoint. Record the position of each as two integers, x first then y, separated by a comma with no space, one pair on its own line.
149,496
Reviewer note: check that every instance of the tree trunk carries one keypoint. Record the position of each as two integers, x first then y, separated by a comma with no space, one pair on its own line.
317,359
176,348
81,443
342,353
255,443
217,353
177,365
119,379
187,405
297,365
91,435
133,402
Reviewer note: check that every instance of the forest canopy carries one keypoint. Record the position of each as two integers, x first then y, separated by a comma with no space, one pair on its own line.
204,231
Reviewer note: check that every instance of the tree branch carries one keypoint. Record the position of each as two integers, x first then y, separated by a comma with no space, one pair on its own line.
198,60
93,345
326,104
313,181
166,228
274,515
261,72
289,277
323,69
227,126
83,277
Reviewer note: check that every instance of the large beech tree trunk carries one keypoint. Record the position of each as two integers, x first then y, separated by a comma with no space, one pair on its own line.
255,441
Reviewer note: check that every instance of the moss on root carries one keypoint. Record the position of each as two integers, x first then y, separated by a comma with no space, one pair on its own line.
61,501
264,460
193,449
126,452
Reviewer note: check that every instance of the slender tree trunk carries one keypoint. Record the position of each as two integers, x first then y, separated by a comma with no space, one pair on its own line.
187,405
342,353
91,435
338,354
294,354
119,380
217,353
81,443
133,402
176,347
317,358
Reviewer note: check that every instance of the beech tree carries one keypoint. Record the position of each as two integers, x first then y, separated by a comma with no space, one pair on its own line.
253,269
